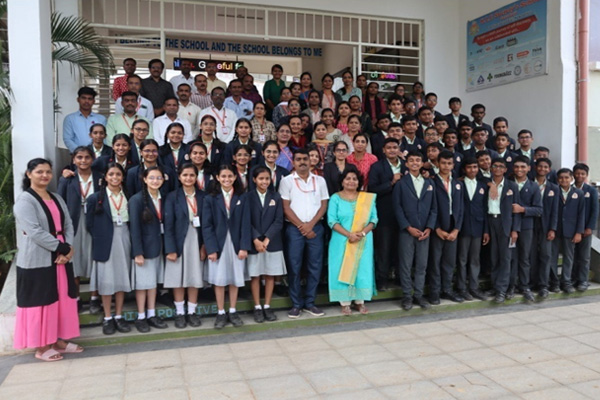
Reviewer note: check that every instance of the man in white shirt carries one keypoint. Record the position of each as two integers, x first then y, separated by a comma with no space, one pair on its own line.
242,107
305,199
144,106
213,81
184,77
188,110
160,124
226,118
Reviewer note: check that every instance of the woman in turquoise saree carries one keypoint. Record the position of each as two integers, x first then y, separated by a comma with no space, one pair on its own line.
352,216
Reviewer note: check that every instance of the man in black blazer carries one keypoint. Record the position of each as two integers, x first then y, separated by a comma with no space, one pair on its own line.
383,176
478,114
455,118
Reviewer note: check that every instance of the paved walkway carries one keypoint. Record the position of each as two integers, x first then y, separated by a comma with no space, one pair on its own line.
546,352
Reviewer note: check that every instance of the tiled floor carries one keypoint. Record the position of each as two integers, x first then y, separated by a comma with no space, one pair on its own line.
544,353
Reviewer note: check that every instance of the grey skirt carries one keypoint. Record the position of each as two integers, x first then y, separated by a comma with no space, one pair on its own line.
187,271
112,275
266,263
148,275
228,269
82,243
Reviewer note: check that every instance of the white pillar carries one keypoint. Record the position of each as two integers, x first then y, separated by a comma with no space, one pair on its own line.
30,49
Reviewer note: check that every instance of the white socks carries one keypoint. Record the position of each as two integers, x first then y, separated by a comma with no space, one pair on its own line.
141,315
179,307
191,307
151,313
231,310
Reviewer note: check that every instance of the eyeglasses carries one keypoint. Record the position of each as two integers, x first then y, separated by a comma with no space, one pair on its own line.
155,178
341,150
219,94
141,130
150,151
499,166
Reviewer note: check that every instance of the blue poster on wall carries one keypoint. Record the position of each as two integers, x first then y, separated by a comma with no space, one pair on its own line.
507,45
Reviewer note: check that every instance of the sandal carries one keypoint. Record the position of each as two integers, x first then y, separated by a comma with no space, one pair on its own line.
49,355
70,348
361,308
346,311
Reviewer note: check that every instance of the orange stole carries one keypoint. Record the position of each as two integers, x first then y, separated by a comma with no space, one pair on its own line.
354,251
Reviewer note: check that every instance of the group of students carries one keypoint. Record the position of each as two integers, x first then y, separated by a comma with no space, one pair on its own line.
451,195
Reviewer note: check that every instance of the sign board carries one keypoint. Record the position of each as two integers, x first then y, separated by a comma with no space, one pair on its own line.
507,45
199,64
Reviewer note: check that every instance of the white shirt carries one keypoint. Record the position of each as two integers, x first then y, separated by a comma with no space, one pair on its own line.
565,194
190,113
179,79
160,124
156,203
261,197
86,188
494,205
144,108
471,185
240,108
98,153
305,197
527,153
543,186
121,201
448,190
210,85
226,120
466,146
418,183
521,184
395,169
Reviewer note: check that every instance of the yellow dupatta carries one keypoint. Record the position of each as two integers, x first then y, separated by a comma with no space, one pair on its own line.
353,252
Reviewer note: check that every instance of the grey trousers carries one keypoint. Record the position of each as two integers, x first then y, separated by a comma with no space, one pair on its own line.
412,250
520,264
541,253
442,261
568,252
469,263
581,267
500,255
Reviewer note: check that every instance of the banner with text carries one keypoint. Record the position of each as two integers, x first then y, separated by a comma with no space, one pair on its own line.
507,45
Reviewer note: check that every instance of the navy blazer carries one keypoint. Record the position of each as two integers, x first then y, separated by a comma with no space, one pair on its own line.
445,221
133,154
472,151
100,225
70,190
146,239
217,152
530,198
487,127
451,122
255,157
520,153
509,157
571,214
418,145
266,221
475,211
380,182
550,202
377,142
177,220
215,223
510,195
418,212
166,156
590,194
99,165
106,150
491,142
551,177
134,185
280,173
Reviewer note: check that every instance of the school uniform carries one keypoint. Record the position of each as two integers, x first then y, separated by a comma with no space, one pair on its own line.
521,152
571,220
183,236
417,145
266,217
134,182
442,253
226,231
487,127
471,233
173,159
216,150
204,179
416,208
134,153
377,141
473,151
452,121
581,266
111,243
541,249
255,157
104,151
458,160
75,193
509,157
100,164
147,241
491,142
386,233
276,176
502,222
530,198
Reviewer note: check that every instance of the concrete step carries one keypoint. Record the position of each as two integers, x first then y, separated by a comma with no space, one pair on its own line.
385,306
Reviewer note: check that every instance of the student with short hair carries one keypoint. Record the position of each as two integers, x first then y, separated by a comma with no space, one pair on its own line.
571,225
450,139
411,141
455,118
525,138
464,134
478,114
503,148
416,213
479,136
500,125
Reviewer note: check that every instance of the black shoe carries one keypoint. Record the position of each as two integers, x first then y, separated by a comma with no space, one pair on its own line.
569,289
157,322
406,303
478,294
465,295
582,287
528,296
122,325
434,299
294,312
108,326
510,293
543,293
314,310
281,290
193,320
180,321
500,298
142,325
95,306
490,293
421,302
235,319
259,316
221,321
555,289
270,315
452,297
166,299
